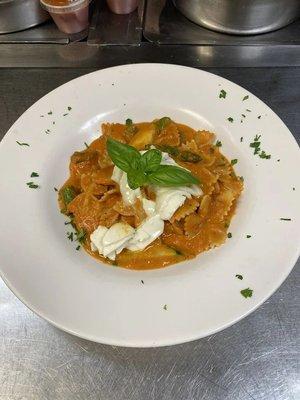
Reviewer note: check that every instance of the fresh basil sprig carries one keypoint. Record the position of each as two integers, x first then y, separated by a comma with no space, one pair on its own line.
145,169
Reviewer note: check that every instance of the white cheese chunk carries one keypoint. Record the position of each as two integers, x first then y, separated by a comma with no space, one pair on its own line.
148,206
97,237
129,195
116,238
146,233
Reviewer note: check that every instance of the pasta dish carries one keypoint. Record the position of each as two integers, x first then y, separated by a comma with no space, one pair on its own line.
147,195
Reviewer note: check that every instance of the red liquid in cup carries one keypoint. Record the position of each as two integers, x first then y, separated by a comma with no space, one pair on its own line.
70,17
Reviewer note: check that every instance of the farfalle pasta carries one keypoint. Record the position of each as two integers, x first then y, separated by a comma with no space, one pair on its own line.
91,196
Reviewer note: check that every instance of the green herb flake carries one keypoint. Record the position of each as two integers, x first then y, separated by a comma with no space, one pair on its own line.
230,119
294,188
229,235
248,236
70,236
86,145
247,292
128,121
80,235
22,144
78,247
165,307
34,175
32,185
42,116
234,161
222,94
55,189
243,115
245,98
278,160
240,277
241,139
47,131
69,108
248,110
65,114
285,219
53,122
259,117
142,281
264,155
50,113
219,143
242,178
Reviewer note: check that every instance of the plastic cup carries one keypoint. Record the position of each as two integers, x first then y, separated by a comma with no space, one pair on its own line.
70,17
122,6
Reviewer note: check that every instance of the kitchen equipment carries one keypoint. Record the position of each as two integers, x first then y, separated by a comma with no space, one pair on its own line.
16,15
70,18
122,6
241,17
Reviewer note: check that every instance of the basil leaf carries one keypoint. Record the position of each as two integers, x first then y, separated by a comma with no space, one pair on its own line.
162,123
123,156
136,179
170,175
68,194
151,160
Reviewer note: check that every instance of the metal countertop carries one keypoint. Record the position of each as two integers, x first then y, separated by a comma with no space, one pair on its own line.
256,359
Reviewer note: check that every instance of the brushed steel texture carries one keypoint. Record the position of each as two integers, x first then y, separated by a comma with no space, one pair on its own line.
241,17
16,15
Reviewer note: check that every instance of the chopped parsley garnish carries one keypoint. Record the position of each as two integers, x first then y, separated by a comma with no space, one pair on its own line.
241,139
230,119
247,292
229,235
294,188
42,116
68,194
47,131
278,160
259,117
32,185
70,236
53,122
257,150
165,307
86,145
69,108
263,154
242,178
142,281
50,113
222,94
245,98
248,236
78,247
55,189
240,277
247,109
80,235
65,114
128,121
219,143
22,144
243,115
285,219
234,161
34,175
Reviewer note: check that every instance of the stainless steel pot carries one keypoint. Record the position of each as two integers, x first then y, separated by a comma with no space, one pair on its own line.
16,15
241,17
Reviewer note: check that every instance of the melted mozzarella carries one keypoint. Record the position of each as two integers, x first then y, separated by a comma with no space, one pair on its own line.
146,233
129,195
110,242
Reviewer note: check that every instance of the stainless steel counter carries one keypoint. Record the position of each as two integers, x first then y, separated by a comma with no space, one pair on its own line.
256,359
